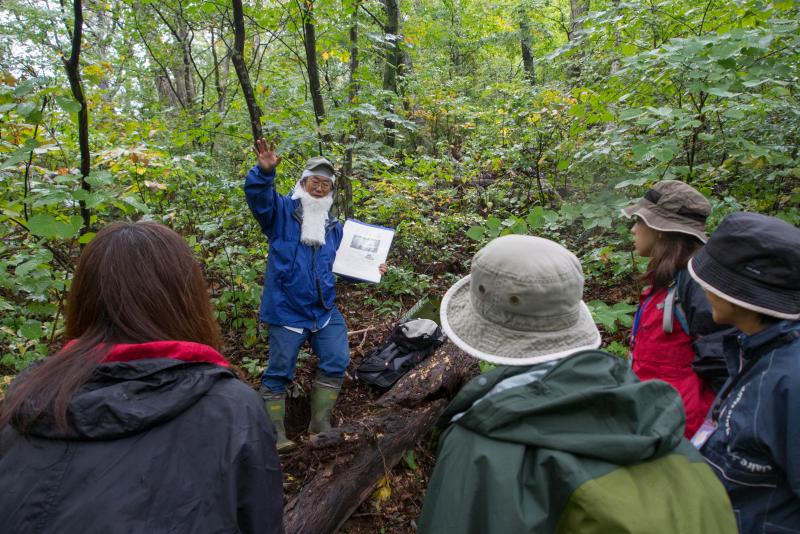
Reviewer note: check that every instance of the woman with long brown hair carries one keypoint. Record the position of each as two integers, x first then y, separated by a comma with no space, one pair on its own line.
138,424
673,322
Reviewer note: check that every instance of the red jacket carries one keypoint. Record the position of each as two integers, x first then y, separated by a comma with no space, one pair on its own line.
668,356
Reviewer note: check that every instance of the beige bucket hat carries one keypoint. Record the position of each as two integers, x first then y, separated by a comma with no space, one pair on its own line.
521,304
673,206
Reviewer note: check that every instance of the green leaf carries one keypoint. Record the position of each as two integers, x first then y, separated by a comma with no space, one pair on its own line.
25,108
476,233
24,88
538,216
664,154
724,50
32,329
99,178
728,63
410,459
35,116
631,181
20,154
86,238
493,223
23,269
718,91
664,112
520,227
44,225
68,104
570,212
629,114
131,201
641,152
609,316
734,113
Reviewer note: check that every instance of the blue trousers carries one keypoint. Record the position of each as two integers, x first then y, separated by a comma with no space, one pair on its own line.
329,344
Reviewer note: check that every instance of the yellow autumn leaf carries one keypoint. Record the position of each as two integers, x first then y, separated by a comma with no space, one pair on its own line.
383,493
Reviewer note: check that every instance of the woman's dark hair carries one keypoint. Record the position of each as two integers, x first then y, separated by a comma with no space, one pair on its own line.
671,253
134,283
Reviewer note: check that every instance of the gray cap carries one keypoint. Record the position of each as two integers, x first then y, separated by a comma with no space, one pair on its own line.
319,166
521,304
673,206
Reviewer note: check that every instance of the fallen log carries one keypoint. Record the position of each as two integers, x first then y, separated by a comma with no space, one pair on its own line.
442,374
349,461
326,502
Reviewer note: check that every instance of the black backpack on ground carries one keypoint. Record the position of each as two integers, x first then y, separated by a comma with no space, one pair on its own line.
409,344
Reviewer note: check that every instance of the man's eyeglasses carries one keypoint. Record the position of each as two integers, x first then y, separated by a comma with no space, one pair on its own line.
320,183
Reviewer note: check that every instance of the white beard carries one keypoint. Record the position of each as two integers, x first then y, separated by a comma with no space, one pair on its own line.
315,215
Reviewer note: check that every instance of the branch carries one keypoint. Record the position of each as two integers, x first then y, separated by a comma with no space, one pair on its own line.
72,66
28,165
241,70
376,19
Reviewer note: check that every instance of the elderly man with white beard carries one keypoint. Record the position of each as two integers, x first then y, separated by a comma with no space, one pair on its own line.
299,285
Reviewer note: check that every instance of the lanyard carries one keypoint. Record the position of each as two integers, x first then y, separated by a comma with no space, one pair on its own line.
638,317
726,391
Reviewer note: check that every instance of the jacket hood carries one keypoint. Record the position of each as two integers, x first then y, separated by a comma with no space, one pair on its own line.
126,398
589,404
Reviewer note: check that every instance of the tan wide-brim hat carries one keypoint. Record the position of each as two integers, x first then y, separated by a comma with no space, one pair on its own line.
673,206
521,304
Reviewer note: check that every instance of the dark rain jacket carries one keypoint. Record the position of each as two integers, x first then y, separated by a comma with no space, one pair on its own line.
154,446
579,446
299,284
755,449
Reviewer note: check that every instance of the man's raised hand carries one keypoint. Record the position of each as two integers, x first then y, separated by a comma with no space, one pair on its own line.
267,159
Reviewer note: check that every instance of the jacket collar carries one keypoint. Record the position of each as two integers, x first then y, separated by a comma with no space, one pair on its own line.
768,339
186,351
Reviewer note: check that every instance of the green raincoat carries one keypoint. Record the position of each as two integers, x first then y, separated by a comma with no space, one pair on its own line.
575,446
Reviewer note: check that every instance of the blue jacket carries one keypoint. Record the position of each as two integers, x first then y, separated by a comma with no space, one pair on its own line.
299,283
754,449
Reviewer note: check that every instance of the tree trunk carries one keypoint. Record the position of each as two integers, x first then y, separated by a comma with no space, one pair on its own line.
237,56
345,188
72,66
527,54
186,62
392,60
615,63
577,9
310,41
350,461
220,73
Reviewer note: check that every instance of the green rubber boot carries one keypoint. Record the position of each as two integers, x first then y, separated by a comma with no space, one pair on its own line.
275,403
323,397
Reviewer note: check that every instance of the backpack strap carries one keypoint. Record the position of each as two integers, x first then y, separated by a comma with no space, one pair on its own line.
673,308
669,309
